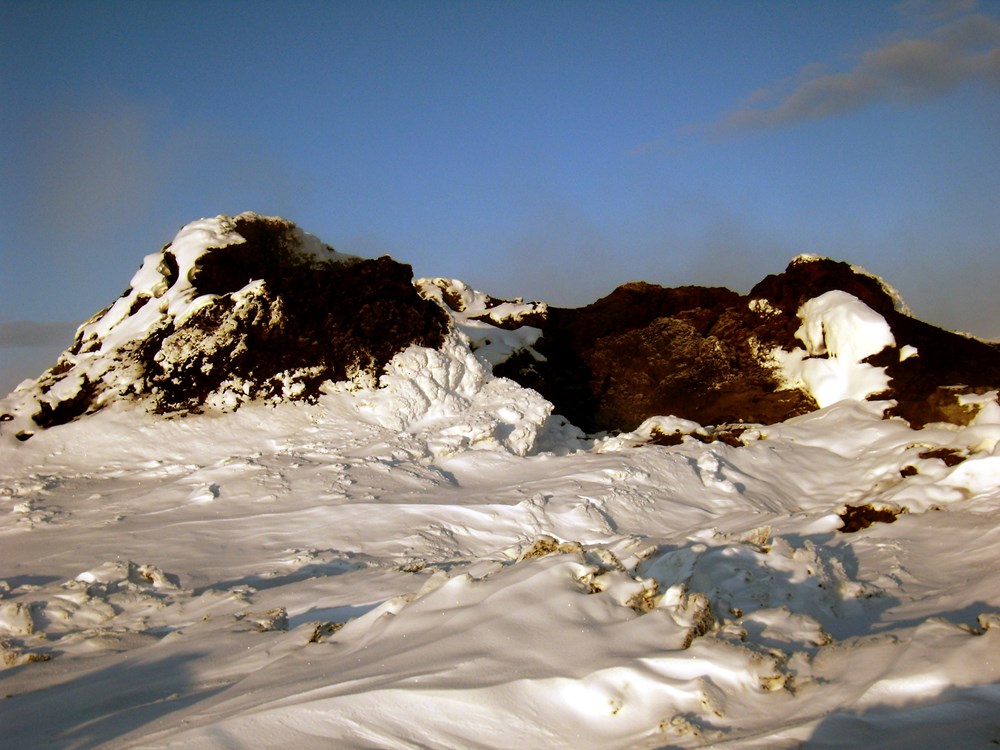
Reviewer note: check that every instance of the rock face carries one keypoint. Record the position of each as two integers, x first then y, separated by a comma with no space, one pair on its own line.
707,354
253,308
236,309
645,350
926,386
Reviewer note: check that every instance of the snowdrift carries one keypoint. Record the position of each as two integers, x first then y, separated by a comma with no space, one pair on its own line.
211,537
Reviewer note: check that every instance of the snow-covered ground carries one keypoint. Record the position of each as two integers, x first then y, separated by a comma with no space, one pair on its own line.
443,563
306,575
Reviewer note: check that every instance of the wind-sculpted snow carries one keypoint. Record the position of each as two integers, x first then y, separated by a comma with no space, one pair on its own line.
387,544
450,400
360,572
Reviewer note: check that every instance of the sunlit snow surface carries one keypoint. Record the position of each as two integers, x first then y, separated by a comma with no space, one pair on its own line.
442,563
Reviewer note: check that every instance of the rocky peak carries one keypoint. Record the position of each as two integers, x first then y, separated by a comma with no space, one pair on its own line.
253,308
234,309
714,356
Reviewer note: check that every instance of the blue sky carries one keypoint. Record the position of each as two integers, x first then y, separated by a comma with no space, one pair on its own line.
541,149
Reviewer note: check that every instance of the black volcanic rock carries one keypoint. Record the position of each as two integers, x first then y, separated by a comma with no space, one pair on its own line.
926,387
310,323
645,350
238,309
253,308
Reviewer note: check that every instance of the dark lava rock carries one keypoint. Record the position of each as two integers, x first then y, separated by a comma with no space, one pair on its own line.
311,323
268,312
312,317
858,517
701,354
927,386
645,350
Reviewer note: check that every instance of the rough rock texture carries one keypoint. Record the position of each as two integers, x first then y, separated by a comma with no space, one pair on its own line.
250,307
927,386
645,350
269,313
702,353
311,322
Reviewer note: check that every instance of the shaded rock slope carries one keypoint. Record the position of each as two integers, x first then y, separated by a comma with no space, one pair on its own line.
708,354
253,308
235,309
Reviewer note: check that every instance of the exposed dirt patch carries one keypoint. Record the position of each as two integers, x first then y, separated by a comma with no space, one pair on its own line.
729,436
546,545
950,456
858,517
659,437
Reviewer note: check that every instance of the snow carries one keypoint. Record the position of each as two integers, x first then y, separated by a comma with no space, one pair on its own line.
838,331
479,315
440,561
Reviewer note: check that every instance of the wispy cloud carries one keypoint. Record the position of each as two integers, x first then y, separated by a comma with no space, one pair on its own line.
939,52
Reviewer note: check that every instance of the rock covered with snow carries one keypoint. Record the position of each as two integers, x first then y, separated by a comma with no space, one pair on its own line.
234,309
496,328
820,332
931,374
251,308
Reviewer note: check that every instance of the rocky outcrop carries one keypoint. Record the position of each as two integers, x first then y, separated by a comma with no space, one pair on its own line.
706,354
253,308
645,350
237,309
928,386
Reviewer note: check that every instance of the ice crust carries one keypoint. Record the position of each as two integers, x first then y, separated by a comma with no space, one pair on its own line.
435,559
435,563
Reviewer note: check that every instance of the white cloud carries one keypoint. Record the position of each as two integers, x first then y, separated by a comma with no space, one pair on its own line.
907,69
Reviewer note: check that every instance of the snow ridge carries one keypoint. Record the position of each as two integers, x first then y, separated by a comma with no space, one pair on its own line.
396,547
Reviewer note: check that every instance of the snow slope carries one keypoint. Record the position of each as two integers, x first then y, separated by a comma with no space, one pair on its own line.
441,562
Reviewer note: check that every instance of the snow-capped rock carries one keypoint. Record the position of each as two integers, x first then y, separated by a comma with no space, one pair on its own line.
251,308
234,309
714,356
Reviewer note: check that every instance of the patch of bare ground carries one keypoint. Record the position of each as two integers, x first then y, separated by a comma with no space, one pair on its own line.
858,517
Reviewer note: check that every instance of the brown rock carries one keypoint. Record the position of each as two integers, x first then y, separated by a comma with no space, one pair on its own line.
700,353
